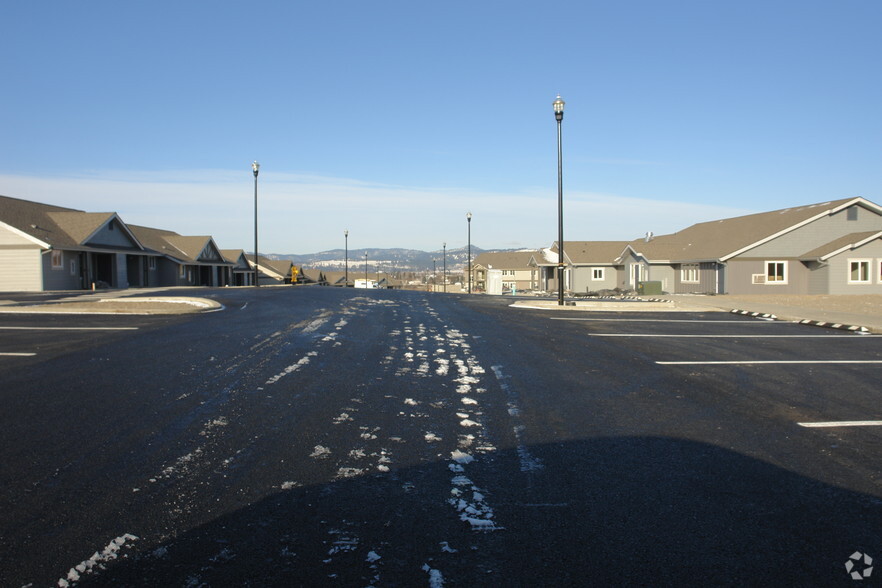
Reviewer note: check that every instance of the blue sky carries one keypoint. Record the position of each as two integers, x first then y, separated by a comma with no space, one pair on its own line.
394,119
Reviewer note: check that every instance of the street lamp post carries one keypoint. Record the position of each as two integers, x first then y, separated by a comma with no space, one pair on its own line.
469,219
558,116
434,275
346,261
445,266
255,167
365,270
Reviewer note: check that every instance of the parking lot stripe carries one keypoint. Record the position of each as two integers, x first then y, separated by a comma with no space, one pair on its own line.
3,328
17,354
617,320
842,424
720,336
773,362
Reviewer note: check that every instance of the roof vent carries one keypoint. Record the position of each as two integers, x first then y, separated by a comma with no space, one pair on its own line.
648,236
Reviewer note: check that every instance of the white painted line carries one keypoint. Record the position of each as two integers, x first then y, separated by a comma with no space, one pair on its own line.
608,320
774,362
842,424
68,328
17,354
723,336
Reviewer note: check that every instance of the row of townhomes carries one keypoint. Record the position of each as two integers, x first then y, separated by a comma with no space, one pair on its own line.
45,247
828,248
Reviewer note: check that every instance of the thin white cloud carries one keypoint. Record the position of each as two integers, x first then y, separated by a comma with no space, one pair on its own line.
307,213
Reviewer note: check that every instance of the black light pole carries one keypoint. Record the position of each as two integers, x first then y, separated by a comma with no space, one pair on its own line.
445,266
558,115
255,167
469,219
346,278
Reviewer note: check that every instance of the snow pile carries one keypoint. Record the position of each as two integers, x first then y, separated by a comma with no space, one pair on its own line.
292,368
97,561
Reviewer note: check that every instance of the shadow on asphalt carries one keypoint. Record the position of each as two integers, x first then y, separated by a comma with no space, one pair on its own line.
616,511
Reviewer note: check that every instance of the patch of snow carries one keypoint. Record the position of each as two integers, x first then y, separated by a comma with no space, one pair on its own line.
320,452
461,458
436,579
347,472
292,368
88,566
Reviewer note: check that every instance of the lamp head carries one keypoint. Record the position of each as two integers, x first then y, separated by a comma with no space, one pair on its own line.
255,167
558,108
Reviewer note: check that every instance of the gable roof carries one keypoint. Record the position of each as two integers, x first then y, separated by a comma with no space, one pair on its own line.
180,248
236,257
593,252
57,227
504,259
840,245
278,268
722,239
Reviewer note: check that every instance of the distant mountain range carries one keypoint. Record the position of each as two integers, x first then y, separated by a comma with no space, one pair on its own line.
382,259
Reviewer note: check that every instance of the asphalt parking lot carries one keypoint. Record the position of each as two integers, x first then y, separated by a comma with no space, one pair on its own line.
305,436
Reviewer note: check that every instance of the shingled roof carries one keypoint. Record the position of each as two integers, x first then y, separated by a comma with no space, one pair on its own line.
504,259
56,226
722,239
844,243
183,248
593,252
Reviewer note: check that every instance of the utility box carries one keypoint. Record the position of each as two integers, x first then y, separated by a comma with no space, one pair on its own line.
649,288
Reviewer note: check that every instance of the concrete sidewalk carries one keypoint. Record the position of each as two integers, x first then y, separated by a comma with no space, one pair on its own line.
129,301
860,310
846,310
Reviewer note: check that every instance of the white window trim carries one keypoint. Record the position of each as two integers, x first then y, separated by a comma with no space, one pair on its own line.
686,269
594,271
57,259
786,277
869,263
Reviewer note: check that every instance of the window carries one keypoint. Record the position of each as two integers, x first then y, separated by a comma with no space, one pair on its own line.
151,263
57,259
851,213
689,273
183,272
73,267
776,272
597,273
508,272
858,271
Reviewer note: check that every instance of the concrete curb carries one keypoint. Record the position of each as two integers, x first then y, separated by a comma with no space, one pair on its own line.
121,306
854,328
813,323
